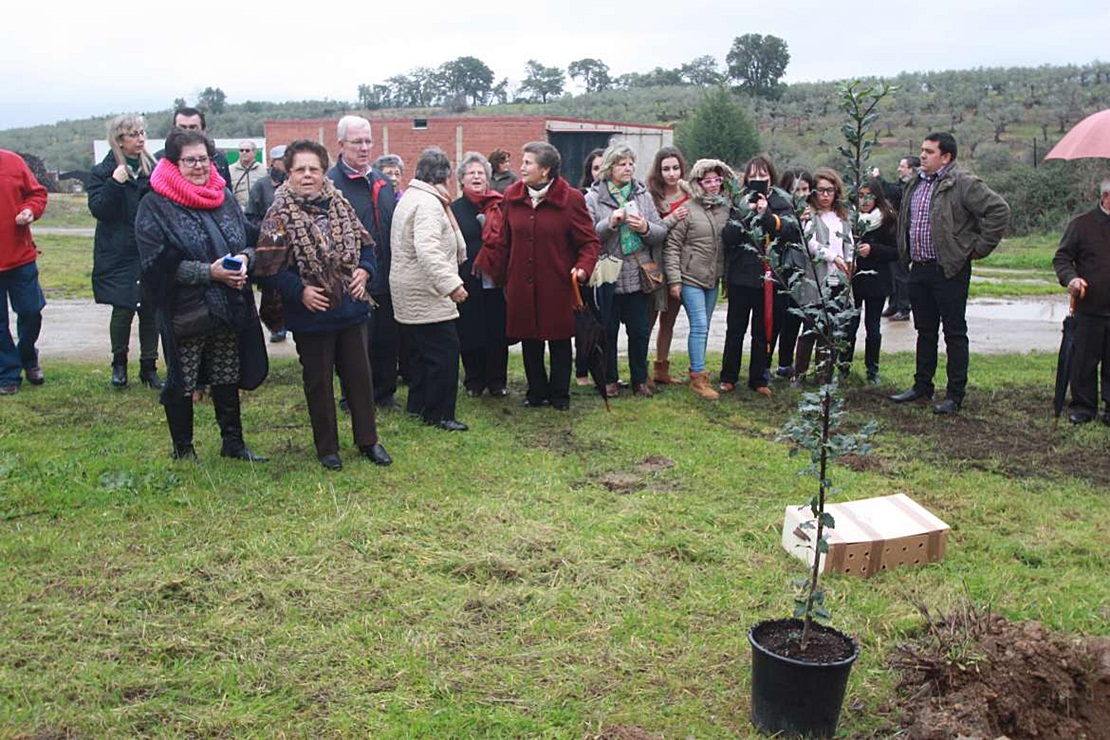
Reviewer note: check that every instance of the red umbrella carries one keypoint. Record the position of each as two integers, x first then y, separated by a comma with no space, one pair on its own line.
1088,138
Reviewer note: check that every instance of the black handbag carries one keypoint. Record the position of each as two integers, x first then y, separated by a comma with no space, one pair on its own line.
191,316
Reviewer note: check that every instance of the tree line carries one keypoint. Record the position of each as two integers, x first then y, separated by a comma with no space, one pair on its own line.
755,64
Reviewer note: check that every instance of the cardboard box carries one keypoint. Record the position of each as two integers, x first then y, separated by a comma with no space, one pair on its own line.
871,535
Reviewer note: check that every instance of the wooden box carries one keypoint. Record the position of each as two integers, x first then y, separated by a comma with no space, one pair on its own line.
870,536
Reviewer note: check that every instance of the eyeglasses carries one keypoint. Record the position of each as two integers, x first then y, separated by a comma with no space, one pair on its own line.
360,142
195,161
710,181
134,134
826,191
248,151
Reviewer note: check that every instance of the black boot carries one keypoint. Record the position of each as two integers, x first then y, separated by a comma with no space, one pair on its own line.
225,399
179,415
148,374
119,370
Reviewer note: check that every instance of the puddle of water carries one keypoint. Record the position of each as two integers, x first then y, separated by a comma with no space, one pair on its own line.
1018,309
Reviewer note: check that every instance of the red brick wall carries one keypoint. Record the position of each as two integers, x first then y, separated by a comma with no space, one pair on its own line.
455,136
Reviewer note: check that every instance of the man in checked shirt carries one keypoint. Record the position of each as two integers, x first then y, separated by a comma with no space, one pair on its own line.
948,218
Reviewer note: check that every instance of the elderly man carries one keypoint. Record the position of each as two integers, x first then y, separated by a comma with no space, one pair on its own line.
1082,264
373,198
245,173
948,218
22,201
262,192
192,119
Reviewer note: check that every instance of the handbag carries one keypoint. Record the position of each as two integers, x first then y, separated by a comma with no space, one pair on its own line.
191,316
651,277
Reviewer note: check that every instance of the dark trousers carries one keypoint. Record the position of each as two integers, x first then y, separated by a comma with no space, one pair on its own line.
745,303
384,342
939,301
633,310
486,367
786,329
872,311
1091,354
900,285
322,354
21,288
434,385
119,332
553,387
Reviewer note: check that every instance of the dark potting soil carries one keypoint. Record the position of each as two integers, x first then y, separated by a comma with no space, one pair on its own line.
784,637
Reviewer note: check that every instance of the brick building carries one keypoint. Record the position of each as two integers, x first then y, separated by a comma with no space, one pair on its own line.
407,137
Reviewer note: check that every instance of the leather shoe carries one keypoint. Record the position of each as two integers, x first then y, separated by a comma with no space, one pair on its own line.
642,390
243,453
1080,417
947,407
9,390
34,375
474,392
498,392
911,395
331,462
376,454
452,425
535,403
901,316
389,403
561,405
890,311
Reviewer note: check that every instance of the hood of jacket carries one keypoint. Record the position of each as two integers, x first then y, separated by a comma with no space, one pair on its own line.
703,167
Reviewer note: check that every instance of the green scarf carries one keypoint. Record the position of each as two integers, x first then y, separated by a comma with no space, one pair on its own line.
630,240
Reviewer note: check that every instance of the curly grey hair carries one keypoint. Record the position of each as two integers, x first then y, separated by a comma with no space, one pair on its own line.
470,158
614,154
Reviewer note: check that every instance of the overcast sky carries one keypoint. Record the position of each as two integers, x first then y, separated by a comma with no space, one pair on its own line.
73,60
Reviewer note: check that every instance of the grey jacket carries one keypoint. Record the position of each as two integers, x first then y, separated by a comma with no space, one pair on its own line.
967,219
601,204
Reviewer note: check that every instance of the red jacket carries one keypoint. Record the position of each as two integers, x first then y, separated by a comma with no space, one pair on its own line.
534,256
18,190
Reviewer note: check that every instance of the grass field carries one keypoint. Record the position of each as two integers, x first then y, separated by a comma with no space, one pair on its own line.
543,575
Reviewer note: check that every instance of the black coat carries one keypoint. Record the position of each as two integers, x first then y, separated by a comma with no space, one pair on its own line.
481,322
376,214
743,264
872,273
115,274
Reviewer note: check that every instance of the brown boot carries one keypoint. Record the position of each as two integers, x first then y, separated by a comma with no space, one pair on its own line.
662,373
699,384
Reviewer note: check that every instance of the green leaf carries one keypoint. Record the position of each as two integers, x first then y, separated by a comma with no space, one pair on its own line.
827,520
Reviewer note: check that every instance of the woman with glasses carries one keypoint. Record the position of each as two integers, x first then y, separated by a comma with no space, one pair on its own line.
628,227
672,196
871,283
828,236
695,261
117,185
192,238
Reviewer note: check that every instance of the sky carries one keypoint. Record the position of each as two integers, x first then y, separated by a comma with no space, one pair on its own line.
74,60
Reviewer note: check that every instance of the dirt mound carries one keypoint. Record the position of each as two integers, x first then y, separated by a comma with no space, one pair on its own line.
973,675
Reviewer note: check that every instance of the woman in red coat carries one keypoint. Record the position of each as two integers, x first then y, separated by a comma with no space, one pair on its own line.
548,240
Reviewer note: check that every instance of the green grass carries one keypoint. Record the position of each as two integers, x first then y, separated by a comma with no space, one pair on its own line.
65,265
67,210
543,575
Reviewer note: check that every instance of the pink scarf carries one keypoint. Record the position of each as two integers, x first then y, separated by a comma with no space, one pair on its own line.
167,180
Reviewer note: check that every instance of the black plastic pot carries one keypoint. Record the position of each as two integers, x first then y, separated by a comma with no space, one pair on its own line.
794,697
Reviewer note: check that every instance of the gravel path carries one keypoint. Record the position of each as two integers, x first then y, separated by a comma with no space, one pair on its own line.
78,329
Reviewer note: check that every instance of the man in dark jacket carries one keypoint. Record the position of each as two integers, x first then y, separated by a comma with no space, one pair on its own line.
192,119
1082,264
372,196
948,218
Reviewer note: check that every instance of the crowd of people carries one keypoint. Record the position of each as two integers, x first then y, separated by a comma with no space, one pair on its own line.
382,280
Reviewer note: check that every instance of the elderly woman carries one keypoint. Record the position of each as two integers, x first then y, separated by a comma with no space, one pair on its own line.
629,228
393,167
329,258
117,185
426,287
485,351
547,241
695,259
192,239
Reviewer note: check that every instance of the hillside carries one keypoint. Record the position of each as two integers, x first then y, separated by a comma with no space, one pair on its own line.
1005,120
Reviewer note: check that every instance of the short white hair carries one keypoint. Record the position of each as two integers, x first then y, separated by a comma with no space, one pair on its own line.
349,122
1104,187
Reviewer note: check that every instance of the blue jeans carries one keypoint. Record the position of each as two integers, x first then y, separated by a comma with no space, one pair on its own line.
21,287
699,304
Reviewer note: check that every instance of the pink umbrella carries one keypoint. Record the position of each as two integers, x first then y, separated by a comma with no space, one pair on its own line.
1088,138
